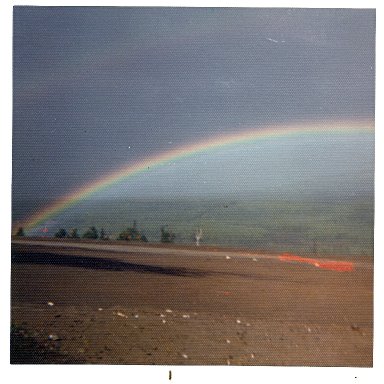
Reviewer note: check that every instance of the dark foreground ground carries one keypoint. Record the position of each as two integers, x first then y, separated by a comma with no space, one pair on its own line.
153,305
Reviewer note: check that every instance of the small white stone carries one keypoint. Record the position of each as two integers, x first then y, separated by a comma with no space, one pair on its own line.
50,303
228,341
185,356
164,321
100,309
186,316
168,310
238,321
162,315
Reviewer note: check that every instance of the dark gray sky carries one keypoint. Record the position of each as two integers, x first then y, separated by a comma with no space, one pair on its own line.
96,88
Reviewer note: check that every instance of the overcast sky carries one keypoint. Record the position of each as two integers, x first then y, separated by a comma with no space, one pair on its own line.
97,88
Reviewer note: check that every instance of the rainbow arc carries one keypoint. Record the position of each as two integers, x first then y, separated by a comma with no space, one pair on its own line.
218,141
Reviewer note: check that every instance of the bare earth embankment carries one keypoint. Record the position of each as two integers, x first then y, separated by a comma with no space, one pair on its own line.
125,304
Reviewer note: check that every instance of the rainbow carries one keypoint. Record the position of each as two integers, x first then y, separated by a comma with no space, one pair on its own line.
218,141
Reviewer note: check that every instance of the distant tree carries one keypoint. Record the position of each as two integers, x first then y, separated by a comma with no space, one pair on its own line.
167,236
198,236
127,235
61,233
103,235
91,233
20,232
74,234
132,234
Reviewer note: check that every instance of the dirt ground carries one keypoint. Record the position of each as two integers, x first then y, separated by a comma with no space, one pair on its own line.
113,304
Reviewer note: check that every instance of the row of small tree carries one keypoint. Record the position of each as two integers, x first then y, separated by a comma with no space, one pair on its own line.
90,233
130,234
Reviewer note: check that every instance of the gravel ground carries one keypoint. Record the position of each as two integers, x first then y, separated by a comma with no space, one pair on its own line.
157,306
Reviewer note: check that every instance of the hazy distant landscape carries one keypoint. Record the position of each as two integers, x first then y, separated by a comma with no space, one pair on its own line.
313,226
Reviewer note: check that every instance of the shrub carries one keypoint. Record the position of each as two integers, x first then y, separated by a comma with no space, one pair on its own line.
132,234
74,234
91,233
103,235
61,233
167,236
